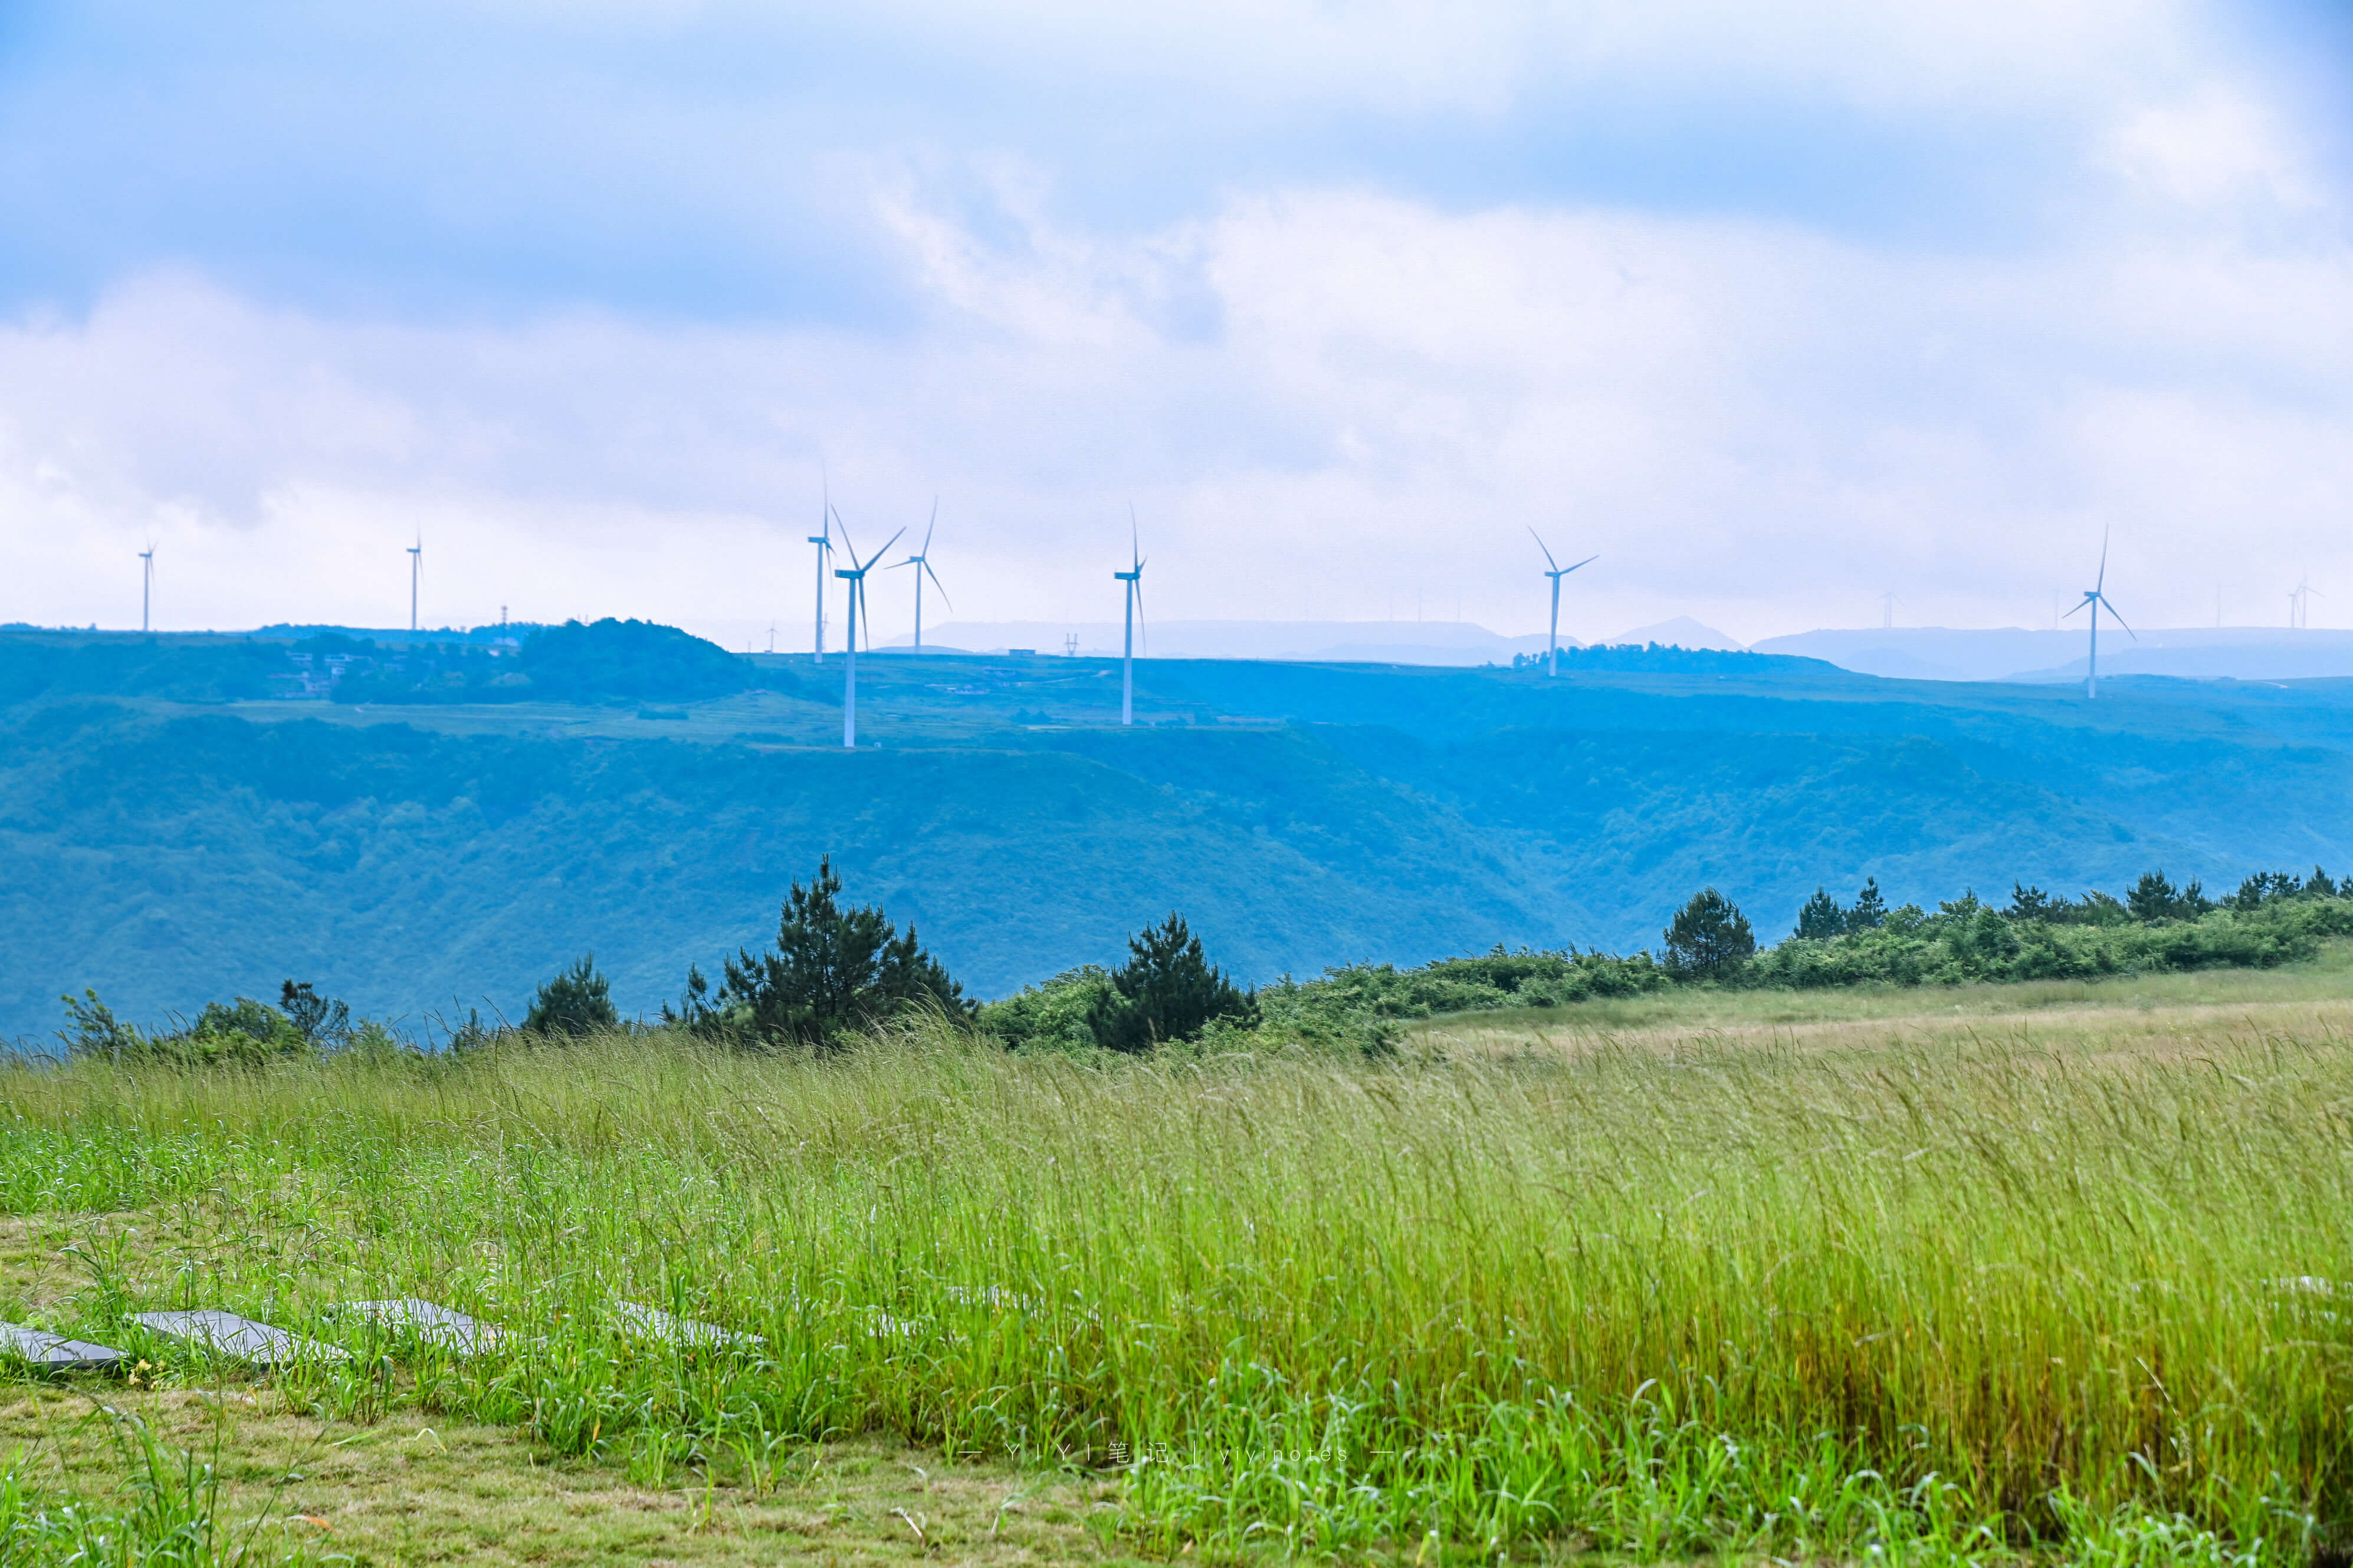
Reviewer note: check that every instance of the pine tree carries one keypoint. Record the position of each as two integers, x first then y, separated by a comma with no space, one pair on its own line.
1167,990
577,1001
834,971
1710,938
1870,910
1822,918
321,1021
2153,898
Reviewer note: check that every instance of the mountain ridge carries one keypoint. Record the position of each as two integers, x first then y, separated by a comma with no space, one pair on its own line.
171,848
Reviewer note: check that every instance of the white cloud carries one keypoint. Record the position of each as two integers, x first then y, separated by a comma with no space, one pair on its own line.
2221,144
1326,401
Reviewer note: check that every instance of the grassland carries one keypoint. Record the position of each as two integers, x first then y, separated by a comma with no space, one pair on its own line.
2050,1272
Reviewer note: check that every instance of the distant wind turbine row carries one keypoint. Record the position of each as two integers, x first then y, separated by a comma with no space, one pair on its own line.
1132,595
2094,599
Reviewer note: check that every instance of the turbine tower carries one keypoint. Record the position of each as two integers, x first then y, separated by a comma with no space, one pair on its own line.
415,570
856,574
2097,598
146,583
2299,604
1888,602
824,542
1555,570
921,561
1132,600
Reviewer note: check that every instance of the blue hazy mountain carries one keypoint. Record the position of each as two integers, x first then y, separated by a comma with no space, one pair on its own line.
450,823
2015,653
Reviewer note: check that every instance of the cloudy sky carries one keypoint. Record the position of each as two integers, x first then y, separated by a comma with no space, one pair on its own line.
1777,308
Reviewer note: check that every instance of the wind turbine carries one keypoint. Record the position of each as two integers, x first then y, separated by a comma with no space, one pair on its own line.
2096,597
824,542
2299,603
921,561
415,570
1132,599
146,583
856,575
1557,571
1888,602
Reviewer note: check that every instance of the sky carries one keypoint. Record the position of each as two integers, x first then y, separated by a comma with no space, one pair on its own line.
1776,310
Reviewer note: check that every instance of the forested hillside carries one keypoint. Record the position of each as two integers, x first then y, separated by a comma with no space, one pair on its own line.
176,825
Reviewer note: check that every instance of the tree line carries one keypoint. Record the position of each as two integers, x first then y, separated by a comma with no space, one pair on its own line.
2272,918
839,970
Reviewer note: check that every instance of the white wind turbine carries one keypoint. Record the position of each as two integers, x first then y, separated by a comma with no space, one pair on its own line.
2097,598
824,542
855,576
1132,600
921,561
146,583
1555,571
2299,603
416,573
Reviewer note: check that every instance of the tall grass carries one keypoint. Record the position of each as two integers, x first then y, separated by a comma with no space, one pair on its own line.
166,1512
1962,1293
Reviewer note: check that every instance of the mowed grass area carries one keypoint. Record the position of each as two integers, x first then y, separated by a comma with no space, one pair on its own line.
2064,1274
2297,996
409,1489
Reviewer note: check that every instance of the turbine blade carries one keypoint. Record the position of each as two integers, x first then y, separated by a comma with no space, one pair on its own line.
931,525
886,547
846,543
1587,562
2119,619
1134,545
2078,609
937,583
2101,583
1545,548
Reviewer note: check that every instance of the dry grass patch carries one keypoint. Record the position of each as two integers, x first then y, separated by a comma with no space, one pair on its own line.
408,1490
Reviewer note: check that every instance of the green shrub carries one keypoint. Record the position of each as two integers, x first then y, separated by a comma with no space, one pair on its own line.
1050,1016
1967,940
241,1033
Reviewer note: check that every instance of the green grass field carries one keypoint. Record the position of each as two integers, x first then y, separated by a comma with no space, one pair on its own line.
2051,1272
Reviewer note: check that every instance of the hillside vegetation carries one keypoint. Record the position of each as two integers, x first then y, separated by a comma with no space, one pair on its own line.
2272,919
173,829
